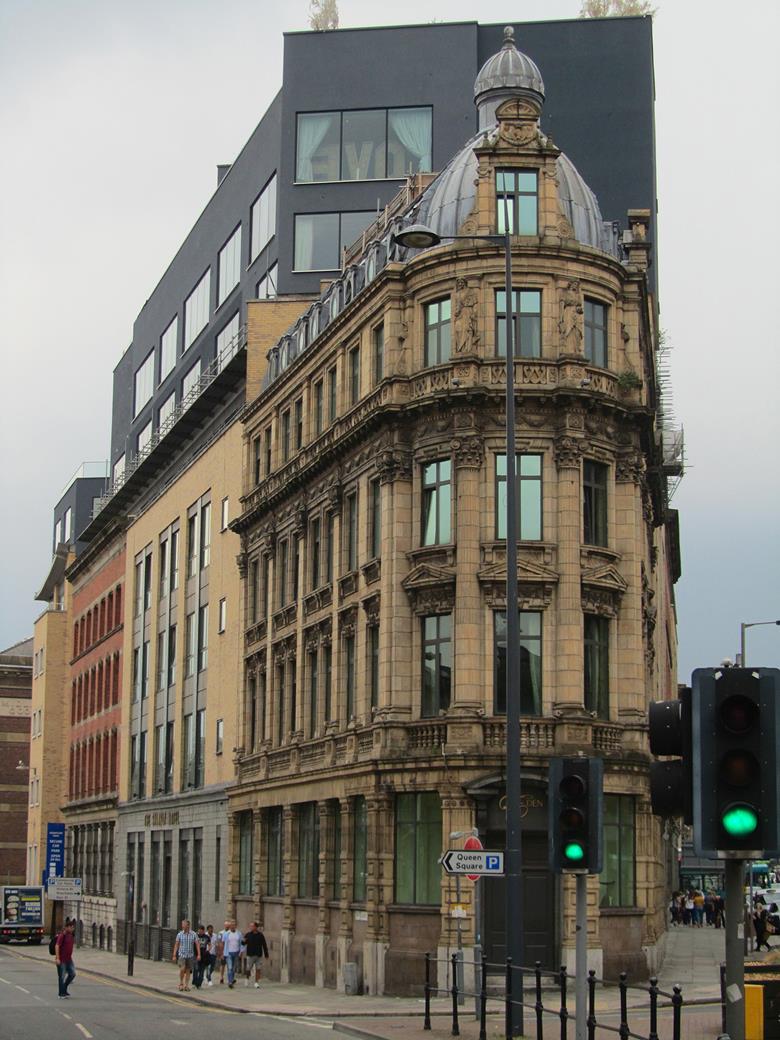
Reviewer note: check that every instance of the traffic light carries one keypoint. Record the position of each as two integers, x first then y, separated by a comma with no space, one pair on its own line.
671,782
576,801
736,733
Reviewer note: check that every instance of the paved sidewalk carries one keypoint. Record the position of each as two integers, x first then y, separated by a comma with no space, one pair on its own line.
693,959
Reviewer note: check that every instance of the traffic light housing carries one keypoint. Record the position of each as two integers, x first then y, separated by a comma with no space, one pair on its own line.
736,733
671,781
576,809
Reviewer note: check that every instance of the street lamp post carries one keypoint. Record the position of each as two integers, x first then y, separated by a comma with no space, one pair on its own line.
743,627
418,236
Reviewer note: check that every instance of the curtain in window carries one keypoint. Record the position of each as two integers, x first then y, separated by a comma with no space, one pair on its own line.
311,131
413,127
304,243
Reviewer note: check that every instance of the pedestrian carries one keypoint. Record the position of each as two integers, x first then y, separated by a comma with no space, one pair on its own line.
688,910
698,909
63,958
213,946
760,921
709,907
233,943
221,952
256,949
186,950
202,960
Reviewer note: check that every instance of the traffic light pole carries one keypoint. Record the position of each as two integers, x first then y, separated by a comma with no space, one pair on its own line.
581,958
735,960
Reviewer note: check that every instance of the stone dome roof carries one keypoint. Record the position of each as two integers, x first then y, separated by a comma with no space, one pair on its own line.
510,70
449,200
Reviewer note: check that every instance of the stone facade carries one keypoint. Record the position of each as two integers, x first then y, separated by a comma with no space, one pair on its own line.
373,570
15,772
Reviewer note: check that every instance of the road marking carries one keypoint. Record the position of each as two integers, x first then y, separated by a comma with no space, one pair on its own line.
36,997
294,1018
5,981
178,1022
83,1030
65,1015
23,989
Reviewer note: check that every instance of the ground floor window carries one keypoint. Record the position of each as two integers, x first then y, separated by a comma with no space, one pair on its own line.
360,851
618,878
274,851
308,850
417,848
245,878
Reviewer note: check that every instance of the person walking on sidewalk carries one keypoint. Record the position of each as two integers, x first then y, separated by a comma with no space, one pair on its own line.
256,949
63,958
213,946
221,951
202,960
233,942
185,950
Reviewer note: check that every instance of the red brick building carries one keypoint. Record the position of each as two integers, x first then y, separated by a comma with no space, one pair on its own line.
16,667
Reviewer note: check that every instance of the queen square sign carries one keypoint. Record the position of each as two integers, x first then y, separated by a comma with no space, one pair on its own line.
473,861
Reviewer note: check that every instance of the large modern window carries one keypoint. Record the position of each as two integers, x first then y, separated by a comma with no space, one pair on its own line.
196,309
168,348
144,384
617,882
203,637
516,195
436,664
190,382
436,502
117,474
594,502
417,848
229,266
360,850
528,505
438,331
227,341
308,850
597,665
167,409
263,220
320,238
266,287
245,843
144,439
530,662
526,324
274,850
596,332
363,145
190,645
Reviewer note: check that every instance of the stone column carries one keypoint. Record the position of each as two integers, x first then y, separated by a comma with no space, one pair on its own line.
568,649
290,888
379,891
469,671
630,542
231,862
325,810
345,925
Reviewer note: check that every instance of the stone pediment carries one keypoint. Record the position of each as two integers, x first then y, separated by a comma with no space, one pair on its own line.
427,575
528,571
605,576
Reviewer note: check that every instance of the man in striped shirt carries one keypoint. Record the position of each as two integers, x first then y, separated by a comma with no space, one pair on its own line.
186,950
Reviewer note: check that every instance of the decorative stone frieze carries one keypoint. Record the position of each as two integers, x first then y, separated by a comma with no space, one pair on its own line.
568,452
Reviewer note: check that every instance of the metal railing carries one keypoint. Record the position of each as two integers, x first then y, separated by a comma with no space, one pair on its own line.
557,985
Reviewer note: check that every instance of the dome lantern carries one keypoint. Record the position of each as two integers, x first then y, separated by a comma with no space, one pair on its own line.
509,73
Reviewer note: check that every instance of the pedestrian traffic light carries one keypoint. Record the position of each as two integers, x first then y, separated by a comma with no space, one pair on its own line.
671,781
736,737
575,801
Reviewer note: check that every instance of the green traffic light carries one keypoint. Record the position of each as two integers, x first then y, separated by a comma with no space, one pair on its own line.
739,821
574,851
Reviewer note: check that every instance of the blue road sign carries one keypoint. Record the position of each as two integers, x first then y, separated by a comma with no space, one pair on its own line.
55,851
473,861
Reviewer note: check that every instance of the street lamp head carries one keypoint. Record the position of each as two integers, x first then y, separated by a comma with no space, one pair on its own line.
417,236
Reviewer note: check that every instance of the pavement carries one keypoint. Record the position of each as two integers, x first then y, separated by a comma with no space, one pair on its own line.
693,959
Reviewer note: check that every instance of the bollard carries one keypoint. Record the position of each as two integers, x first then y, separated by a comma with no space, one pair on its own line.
677,1001
130,957
538,1006
483,1001
653,1035
592,1005
624,1032
427,1019
508,1000
723,997
564,1012
455,1024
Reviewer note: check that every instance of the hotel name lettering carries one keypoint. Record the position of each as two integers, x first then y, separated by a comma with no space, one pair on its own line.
169,818
527,802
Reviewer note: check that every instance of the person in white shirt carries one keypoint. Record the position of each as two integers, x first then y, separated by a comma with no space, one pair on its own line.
233,940
221,951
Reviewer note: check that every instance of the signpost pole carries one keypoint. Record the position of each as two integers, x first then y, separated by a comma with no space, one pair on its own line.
461,994
735,963
581,957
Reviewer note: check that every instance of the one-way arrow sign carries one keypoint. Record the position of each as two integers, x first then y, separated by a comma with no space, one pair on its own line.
473,861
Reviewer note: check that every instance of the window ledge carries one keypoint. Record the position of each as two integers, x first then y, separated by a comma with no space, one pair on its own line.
415,908
621,911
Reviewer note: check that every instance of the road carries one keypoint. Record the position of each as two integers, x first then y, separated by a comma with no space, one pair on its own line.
102,1009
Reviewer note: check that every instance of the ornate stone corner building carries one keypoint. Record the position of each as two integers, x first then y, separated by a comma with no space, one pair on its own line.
372,721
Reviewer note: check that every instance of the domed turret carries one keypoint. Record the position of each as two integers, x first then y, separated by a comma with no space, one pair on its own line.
507,74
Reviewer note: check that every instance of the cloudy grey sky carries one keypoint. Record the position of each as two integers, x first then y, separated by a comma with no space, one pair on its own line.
114,115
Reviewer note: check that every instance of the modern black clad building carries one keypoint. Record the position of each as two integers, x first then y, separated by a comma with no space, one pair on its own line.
358,110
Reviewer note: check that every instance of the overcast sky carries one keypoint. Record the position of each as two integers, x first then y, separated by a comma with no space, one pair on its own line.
113,118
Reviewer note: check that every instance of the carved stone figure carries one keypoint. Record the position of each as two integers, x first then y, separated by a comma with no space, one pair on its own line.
569,318
466,321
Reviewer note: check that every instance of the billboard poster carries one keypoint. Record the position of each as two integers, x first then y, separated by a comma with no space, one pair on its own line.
22,905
